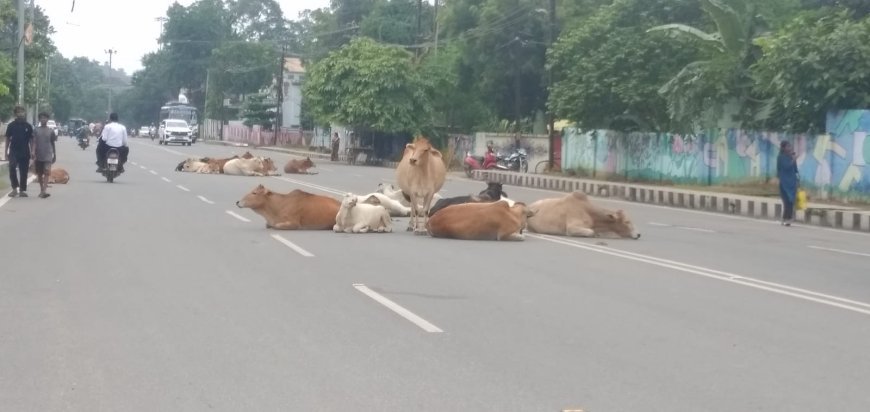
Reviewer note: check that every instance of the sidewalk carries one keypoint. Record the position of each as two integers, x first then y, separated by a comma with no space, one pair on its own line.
840,217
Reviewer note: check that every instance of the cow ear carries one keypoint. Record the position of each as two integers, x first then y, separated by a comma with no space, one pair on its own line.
435,152
410,146
373,200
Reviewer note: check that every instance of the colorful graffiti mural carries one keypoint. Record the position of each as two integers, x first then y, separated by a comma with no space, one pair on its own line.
832,165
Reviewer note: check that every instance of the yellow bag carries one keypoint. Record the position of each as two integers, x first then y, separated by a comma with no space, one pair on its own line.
801,202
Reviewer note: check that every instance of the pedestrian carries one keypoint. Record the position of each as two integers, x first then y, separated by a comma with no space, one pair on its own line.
44,153
336,141
18,150
787,172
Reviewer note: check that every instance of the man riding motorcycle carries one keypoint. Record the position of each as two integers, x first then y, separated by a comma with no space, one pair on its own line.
114,135
83,134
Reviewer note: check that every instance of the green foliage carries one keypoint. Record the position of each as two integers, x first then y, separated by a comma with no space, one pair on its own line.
257,20
395,22
240,68
813,66
609,70
258,111
369,86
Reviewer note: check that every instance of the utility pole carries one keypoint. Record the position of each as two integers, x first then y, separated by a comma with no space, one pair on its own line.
36,106
110,52
419,26
551,120
162,20
20,52
279,119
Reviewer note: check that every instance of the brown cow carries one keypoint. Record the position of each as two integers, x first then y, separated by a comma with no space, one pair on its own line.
420,175
269,168
217,165
574,215
296,166
296,210
57,175
480,221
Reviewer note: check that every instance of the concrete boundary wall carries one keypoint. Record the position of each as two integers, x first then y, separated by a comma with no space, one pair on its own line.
749,206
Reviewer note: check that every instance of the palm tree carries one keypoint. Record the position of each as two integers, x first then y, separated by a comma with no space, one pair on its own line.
720,86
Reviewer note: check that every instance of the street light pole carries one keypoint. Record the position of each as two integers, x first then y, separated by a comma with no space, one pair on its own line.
20,52
111,52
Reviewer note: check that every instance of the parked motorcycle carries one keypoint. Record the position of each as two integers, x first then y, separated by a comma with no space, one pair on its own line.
517,161
112,164
477,162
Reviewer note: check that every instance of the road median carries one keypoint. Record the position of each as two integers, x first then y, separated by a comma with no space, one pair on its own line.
758,207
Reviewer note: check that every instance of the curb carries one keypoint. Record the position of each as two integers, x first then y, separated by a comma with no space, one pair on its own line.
725,203
313,155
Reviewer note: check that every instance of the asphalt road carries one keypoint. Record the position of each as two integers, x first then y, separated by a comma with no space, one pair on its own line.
148,294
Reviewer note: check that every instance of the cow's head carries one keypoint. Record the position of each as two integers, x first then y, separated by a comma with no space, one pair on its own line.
268,165
191,165
373,200
524,212
419,151
349,201
307,163
494,191
256,198
247,155
620,224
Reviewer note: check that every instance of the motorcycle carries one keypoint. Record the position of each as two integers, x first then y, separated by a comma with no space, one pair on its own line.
112,163
477,162
517,161
84,143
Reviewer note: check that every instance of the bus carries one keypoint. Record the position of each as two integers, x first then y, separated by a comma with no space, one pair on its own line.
181,111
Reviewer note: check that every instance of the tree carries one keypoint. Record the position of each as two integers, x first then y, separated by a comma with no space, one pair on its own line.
368,86
815,65
258,111
240,68
257,20
720,83
456,108
608,70
395,22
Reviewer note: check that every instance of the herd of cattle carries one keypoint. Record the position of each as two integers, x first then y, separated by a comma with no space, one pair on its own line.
244,165
489,215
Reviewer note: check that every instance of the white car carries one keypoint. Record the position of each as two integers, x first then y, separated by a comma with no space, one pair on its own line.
144,131
52,125
175,131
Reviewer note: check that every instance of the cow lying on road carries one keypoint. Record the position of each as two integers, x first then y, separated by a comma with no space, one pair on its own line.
396,194
57,175
480,221
194,165
357,217
492,193
257,166
297,166
296,210
394,207
574,215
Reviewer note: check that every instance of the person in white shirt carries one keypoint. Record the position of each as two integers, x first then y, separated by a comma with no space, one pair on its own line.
114,135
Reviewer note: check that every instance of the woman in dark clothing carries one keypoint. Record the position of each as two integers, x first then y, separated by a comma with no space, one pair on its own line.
787,172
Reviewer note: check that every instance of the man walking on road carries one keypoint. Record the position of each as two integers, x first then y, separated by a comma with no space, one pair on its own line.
44,153
18,150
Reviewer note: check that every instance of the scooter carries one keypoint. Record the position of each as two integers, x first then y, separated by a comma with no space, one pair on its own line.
477,162
112,164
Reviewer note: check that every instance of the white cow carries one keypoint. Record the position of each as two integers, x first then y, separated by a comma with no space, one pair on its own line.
195,166
356,217
245,167
396,194
396,208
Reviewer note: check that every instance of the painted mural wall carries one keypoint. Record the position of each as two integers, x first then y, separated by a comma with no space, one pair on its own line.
832,165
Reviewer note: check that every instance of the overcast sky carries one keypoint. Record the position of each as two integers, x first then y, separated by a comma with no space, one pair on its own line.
127,26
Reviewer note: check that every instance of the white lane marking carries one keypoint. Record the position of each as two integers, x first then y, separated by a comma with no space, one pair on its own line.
690,211
205,200
659,224
238,216
311,185
817,297
293,246
142,167
6,197
182,188
166,180
845,252
395,307
134,163
696,229
153,172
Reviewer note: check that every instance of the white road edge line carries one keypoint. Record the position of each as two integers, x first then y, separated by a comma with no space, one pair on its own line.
205,200
6,197
166,180
238,216
845,252
395,307
781,289
659,224
696,229
293,246
134,163
182,188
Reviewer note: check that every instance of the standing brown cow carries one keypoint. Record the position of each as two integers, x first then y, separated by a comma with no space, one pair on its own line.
420,175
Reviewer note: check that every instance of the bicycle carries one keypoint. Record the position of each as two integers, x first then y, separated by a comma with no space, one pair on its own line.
542,167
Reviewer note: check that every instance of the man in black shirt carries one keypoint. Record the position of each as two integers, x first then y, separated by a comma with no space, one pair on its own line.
19,150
